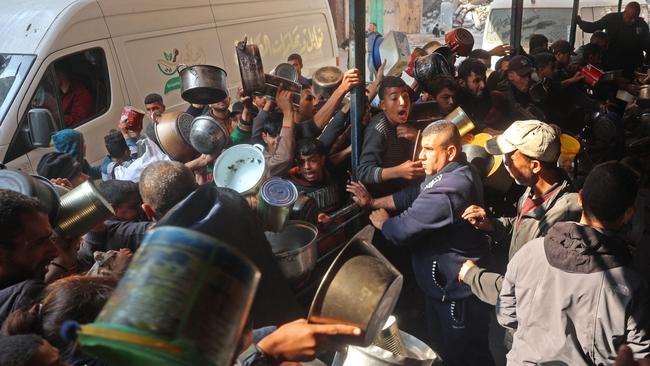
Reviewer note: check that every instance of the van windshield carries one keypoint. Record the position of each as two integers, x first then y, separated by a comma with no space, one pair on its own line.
13,69
554,23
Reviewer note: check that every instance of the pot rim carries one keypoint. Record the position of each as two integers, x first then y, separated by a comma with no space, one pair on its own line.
303,248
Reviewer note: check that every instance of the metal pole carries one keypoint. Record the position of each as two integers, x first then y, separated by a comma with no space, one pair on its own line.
574,14
357,60
516,14
620,5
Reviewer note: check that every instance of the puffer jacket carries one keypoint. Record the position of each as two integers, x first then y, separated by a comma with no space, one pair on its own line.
572,299
562,206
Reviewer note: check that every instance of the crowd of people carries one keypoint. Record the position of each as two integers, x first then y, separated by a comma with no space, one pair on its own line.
559,258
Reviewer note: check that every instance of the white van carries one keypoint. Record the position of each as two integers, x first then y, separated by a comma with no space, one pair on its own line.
551,18
122,50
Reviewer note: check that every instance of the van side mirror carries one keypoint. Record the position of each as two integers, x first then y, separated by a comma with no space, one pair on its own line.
40,127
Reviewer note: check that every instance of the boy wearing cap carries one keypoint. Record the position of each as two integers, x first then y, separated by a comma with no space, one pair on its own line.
531,149
511,100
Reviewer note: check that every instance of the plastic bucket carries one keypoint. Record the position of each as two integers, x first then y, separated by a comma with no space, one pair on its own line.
569,146
592,75
183,301
132,118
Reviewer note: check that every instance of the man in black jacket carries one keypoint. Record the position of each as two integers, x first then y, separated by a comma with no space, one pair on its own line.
430,224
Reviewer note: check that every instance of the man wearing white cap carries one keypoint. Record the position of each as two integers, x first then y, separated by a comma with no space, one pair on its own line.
530,149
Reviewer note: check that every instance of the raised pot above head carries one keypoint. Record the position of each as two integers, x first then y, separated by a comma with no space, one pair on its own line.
81,209
360,288
274,82
285,71
251,69
461,39
203,84
173,133
132,118
427,67
241,168
461,120
208,135
326,79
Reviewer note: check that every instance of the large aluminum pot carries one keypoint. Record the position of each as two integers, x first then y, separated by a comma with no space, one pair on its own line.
643,100
33,186
81,209
360,288
418,354
295,250
203,84
428,67
208,135
461,120
250,66
326,79
173,133
274,203
241,168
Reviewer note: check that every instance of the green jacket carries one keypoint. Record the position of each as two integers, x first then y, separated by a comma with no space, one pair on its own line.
562,206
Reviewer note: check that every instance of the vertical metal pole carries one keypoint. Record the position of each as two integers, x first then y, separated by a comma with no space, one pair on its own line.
620,5
516,14
357,60
574,14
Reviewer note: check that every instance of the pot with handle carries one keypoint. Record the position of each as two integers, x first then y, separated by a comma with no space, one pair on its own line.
251,69
173,133
202,84
241,168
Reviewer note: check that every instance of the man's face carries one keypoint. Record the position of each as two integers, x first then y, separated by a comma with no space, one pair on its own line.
270,141
306,104
433,156
296,65
46,355
396,104
520,169
446,100
372,28
233,122
129,210
312,167
546,71
32,250
563,58
259,101
219,110
157,108
474,83
522,83
629,15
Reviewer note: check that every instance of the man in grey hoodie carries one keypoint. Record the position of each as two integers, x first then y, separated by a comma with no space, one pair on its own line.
571,297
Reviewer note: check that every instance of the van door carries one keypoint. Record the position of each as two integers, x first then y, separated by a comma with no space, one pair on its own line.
91,103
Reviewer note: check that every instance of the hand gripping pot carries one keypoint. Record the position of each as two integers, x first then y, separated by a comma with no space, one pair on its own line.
81,209
173,132
183,301
326,79
360,288
241,168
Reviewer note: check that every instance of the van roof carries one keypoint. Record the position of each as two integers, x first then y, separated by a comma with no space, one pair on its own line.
24,24
499,4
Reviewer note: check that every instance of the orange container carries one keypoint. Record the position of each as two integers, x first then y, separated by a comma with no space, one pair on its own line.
132,118
461,38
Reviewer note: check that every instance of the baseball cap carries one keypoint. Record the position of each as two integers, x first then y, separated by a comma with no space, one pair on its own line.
522,65
562,46
535,139
58,165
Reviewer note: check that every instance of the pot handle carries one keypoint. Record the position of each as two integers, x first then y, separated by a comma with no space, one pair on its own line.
178,68
259,147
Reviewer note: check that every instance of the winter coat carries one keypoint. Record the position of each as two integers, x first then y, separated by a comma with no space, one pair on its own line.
571,298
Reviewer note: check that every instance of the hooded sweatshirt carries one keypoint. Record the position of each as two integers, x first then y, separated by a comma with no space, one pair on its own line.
571,298
69,141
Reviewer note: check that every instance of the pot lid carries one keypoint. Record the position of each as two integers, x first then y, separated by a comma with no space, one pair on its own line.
278,192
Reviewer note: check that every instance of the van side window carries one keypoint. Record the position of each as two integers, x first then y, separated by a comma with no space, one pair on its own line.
75,89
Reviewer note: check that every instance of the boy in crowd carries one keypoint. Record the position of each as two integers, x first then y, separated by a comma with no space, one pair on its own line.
118,154
385,164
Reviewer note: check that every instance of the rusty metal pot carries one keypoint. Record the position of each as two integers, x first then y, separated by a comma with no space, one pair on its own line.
360,288
173,132
250,67
202,84
462,39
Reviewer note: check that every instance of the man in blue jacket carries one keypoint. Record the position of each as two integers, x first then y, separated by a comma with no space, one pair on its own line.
431,225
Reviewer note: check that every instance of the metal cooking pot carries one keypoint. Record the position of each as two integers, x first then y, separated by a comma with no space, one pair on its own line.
81,209
250,67
360,288
208,135
173,133
461,120
418,354
643,100
295,250
305,209
32,186
428,67
461,38
326,79
274,203
274,82
286,71
202,84
241,168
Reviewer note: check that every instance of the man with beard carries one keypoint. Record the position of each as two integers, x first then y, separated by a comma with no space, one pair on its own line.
385,164
26,250
510,100
472,97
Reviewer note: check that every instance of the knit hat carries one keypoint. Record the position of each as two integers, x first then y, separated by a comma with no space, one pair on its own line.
58,165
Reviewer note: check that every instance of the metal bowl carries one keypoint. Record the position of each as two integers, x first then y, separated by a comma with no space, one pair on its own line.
208,135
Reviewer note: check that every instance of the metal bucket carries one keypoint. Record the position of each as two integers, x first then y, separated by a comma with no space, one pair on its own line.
419,354
183,301
81,209
276,197
241,168
32,186
295,250
461,120
360,288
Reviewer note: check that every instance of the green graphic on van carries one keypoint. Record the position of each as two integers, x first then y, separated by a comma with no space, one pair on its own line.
169,64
